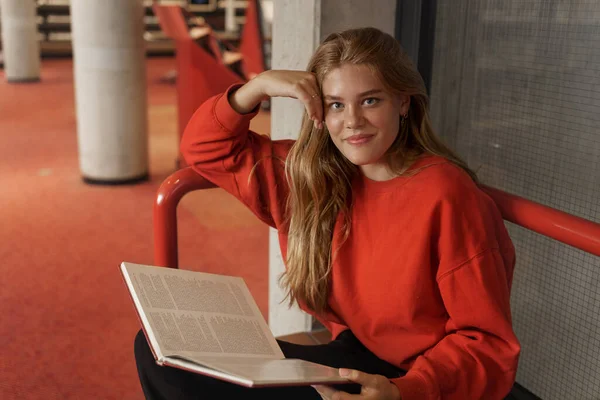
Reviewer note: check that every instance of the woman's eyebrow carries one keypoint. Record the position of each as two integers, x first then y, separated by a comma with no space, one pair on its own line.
368,92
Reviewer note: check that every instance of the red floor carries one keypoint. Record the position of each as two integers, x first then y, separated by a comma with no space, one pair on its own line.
66,322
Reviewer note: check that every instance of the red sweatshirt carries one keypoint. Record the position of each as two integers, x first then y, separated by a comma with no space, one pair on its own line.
423,280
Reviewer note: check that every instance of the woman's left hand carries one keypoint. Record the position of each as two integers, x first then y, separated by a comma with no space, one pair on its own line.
374,387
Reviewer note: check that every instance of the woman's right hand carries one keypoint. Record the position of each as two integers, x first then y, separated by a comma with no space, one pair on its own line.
299,85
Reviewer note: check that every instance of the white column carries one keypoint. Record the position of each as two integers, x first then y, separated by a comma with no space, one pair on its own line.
230,22
110,89
20,43
298,28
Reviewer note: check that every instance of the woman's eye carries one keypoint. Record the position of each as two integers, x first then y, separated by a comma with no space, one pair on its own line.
371,100
336,106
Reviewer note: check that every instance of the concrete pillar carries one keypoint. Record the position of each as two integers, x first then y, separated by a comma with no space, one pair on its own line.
298,28
110,90
230,22
20,43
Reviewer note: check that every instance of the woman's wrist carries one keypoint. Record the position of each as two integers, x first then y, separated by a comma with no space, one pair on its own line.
245,99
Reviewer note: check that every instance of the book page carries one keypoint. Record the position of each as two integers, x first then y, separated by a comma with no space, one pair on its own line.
196,314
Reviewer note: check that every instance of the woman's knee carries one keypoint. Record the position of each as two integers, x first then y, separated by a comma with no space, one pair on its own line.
141,350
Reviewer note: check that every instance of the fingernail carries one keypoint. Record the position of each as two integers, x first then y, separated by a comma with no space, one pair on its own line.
344,372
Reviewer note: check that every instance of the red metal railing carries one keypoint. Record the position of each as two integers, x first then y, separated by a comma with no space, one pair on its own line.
566,228
169,194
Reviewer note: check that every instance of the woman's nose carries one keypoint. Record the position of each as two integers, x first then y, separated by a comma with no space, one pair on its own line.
354,118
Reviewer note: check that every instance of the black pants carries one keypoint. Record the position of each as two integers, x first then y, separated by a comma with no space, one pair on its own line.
166,383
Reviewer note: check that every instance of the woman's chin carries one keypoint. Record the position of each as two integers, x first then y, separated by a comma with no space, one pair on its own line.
360,159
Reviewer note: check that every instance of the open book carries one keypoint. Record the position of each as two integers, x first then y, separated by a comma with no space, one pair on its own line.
211,325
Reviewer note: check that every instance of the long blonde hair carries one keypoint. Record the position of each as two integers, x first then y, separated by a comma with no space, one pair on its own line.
320,177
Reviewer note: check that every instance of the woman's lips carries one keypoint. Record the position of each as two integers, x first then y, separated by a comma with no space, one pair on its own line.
361,138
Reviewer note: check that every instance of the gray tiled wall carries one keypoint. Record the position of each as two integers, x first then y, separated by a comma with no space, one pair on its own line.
516,90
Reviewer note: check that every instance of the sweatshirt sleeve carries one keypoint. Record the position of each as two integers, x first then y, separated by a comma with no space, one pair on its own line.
478,356
219,145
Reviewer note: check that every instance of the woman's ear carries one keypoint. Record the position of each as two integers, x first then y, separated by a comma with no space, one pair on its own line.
404,104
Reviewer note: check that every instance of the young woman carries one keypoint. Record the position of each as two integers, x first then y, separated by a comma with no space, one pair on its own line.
388,240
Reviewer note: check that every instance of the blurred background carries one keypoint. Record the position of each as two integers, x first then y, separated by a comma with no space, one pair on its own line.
94,96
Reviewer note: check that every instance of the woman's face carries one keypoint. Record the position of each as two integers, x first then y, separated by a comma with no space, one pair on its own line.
362,117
